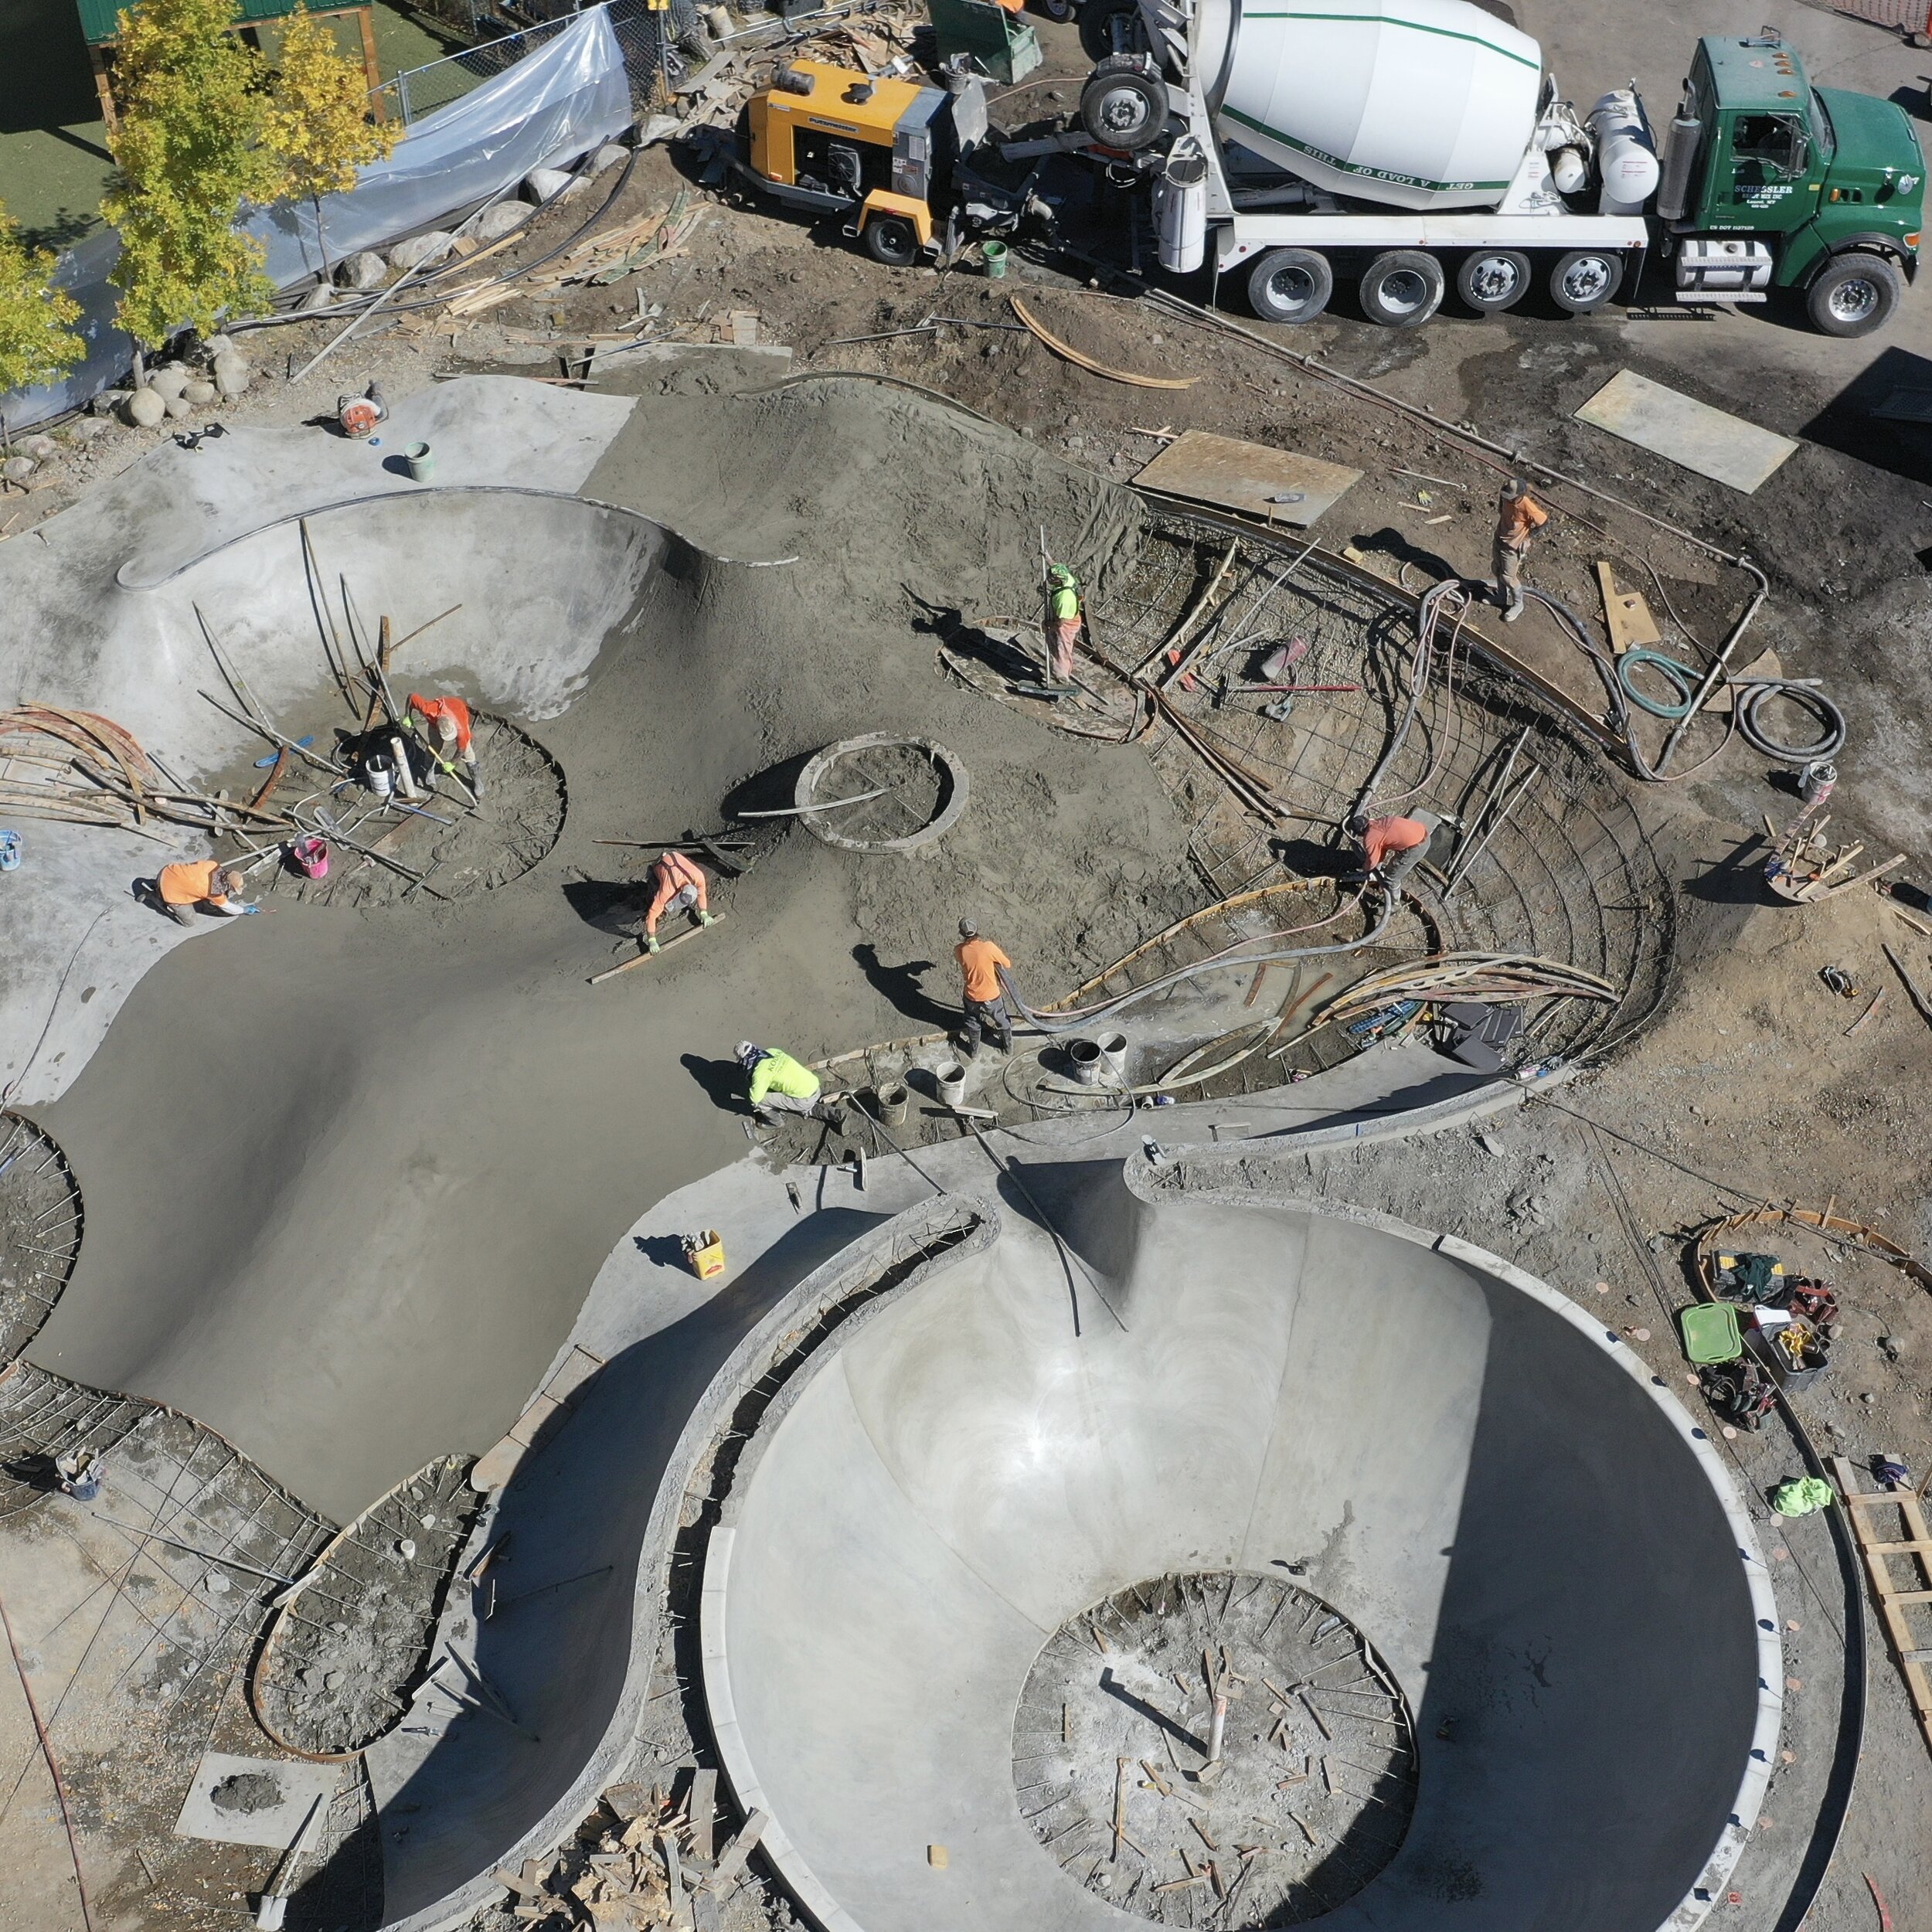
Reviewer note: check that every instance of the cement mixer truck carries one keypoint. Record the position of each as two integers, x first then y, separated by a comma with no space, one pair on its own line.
1416,144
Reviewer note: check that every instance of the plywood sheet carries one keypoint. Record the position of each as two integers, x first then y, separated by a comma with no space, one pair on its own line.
1249,477
254,1801
1708,441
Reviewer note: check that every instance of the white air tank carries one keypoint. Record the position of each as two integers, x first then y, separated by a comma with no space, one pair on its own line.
1412,103
1180,207
1626,155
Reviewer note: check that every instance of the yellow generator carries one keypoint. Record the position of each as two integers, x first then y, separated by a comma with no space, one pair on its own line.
892,156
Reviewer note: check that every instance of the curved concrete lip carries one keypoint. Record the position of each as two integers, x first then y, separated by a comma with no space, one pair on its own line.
1512,1509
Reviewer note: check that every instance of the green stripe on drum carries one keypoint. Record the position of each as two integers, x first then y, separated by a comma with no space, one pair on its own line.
1350,168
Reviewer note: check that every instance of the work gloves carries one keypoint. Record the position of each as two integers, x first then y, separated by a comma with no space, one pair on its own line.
707,919
652,943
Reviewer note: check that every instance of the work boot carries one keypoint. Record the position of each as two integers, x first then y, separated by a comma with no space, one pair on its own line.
967,1049
830,1112
1512,613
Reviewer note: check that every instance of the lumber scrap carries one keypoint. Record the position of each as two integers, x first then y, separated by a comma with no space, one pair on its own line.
1625,615
1911,1649
1068,353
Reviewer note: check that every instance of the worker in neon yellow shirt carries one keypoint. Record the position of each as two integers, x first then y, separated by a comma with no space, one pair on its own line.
780,1084
1064,612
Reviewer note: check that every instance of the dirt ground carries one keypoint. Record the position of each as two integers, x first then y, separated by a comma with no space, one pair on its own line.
1749,1087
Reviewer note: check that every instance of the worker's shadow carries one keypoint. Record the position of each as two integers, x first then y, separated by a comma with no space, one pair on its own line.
610,905
997,649
1737,879
1392,544
900,984
723,1082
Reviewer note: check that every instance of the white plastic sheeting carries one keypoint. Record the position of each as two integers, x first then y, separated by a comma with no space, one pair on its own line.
563,99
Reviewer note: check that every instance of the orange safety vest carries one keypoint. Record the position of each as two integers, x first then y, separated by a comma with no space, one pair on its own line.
979,961
187,882
1518,519
668,877
453,709
1386,837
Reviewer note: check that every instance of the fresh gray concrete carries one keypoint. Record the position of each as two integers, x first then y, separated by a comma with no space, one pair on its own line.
1547,1552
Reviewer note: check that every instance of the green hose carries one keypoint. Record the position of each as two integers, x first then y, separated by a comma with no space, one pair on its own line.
1680,677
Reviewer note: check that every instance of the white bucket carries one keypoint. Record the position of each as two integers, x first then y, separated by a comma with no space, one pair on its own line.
1114,1055
1087,1064
952,1082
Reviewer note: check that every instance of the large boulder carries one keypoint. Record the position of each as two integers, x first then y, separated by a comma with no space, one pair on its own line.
505,218
609,156
321,296
216,346
546,184
39,447
178,407
169,381
231,375
146,407
363,270
17,469
110,402
85,429
198,394
420,250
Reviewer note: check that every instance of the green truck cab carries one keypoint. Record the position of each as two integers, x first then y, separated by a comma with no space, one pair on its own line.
1768,182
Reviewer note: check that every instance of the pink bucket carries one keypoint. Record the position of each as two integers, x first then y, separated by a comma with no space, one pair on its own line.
311,855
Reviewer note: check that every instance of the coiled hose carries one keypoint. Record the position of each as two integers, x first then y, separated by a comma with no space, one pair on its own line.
1753,693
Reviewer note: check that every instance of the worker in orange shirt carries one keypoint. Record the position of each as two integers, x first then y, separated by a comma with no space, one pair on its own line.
1393,846
1518,517
677,885
446,729
205,884
980,960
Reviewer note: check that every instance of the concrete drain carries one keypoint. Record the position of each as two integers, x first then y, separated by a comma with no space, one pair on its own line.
1116,1767
891,793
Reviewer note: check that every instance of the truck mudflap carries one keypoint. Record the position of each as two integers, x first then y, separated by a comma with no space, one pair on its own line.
881,201
1244,236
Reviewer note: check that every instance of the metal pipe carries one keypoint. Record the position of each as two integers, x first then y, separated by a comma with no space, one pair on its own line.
1720,667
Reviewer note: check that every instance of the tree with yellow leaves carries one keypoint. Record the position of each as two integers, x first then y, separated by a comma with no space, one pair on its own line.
317,123
190,149
37,343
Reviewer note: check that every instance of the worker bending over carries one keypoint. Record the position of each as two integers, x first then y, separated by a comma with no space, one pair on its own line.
205,884
1064,611
980,960
1393,847
1518,517
780,1084
446,729
677,885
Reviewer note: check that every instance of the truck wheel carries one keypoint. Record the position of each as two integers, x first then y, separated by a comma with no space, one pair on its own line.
1123,107
1058,11
1111,26
893,240
1585,279
1402,289
1290,285
1493,280
1853,294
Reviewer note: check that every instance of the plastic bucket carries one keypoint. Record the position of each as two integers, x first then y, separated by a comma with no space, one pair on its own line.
891,1101
951,1078
421,461
995,254
311,855
1114,1055
1087,1063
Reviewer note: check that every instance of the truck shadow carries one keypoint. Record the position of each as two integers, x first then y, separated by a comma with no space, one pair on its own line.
1882,416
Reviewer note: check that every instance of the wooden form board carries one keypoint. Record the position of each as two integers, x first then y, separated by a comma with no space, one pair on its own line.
1897,1601
1249,477
1625,613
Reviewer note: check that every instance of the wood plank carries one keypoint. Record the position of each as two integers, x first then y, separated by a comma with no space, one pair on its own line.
597,979
1625,615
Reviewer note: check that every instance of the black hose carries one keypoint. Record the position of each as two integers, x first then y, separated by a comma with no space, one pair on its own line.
1831,739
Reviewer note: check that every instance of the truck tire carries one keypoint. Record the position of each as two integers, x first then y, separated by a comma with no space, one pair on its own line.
1123,106
1111,26
1585,279
1060,11
1854,293
1402,289
893,240
1290,285
1493,279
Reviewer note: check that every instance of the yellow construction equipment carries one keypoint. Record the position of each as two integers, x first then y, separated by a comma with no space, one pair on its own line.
895,158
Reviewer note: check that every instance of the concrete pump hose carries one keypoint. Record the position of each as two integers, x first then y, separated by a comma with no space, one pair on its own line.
1069,1022
1752,693
1428,613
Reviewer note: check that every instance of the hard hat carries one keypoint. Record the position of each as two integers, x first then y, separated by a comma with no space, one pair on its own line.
967,930
1060,573
745,1052
1515,487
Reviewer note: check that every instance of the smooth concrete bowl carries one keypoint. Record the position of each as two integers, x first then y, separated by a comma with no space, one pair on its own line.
1514,1511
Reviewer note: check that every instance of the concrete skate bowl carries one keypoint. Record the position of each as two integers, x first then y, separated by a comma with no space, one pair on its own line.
1493,1627
1567,872
42,1216
502,595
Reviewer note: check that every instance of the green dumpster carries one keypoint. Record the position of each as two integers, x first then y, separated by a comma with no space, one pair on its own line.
1000,42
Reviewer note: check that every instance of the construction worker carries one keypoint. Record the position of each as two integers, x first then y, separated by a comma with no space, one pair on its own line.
677,885
1063,615
780,1084
446,727
1518,517
203,884
1393,847
982,995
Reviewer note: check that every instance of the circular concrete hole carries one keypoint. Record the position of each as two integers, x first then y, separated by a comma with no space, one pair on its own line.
1302,1800
454,847
908,792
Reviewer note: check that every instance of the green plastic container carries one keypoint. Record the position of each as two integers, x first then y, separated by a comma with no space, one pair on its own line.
994,254
1710,1332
